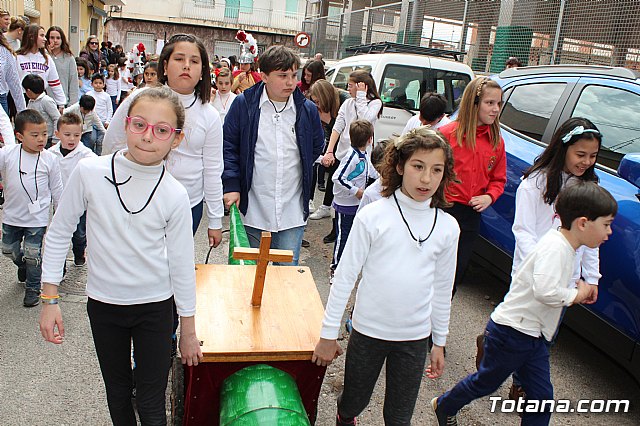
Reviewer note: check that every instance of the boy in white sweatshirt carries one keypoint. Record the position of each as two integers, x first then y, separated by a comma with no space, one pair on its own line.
92,129
31,179
517,336
349,182
68,153
104,108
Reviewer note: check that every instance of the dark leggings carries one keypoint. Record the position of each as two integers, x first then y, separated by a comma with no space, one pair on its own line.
328,193
405,361
469,222
149,325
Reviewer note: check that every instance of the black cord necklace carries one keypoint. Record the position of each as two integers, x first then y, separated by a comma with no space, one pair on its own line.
117,184
418,241
276,109
195,98
35,176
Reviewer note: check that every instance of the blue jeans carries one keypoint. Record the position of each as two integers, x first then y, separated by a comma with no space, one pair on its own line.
29,258
93,140
288,239
114,105
4,102
79,238
196,216
506,351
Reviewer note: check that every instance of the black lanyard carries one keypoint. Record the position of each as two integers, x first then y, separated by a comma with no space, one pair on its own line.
117,184
407,224
35,176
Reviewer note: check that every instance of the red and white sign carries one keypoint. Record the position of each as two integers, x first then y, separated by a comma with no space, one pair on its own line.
302,40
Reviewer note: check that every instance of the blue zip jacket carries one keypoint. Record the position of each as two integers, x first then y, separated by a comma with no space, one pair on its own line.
241,134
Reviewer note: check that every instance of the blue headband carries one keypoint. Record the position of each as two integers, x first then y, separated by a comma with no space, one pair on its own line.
578,130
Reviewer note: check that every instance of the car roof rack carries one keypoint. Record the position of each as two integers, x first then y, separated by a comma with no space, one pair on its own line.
571,69
389,47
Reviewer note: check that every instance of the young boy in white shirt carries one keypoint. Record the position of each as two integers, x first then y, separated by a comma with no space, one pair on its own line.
103,108
517,336
68,153
349,182
272,136
31,178
33,85
92,129
432,113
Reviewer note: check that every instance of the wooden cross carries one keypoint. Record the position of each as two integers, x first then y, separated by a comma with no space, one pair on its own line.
262,255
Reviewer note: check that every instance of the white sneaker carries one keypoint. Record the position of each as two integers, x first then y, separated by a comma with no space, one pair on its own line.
312,206
321,212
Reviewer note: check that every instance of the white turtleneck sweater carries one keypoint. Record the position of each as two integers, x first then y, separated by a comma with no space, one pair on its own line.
197,162
132,258
405,290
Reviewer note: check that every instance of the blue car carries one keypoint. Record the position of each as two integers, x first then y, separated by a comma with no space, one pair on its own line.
537,100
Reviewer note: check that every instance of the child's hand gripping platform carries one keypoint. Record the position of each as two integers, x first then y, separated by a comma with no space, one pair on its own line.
325,352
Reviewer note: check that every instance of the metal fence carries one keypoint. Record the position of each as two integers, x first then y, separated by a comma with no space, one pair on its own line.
537,32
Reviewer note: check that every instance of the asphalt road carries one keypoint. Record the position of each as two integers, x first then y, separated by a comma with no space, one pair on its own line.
43,384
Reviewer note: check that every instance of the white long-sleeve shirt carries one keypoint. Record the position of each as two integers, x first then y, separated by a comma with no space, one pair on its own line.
197,162
113,87
275,196
103,107
534,218
540,288
371,194
34,63
132,258
21,189
68,164
405,290
222,103
10,78
89,119
6,129
415,122
358,108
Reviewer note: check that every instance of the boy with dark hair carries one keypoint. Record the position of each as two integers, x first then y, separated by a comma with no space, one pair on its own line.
349,182
33,85
432,109
517,336
104,107
31,180
92,129
272,136
68,153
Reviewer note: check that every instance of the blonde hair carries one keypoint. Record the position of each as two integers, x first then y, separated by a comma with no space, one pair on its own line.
468,115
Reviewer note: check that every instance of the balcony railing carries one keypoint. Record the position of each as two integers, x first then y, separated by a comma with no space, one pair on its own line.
243,17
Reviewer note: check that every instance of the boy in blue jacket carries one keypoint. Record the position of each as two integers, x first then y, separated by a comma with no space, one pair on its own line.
272,136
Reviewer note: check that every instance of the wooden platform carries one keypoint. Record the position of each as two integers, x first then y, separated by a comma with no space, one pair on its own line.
285,327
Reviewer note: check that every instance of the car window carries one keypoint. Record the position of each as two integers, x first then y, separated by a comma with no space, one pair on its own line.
451,85
616,114
342,75
401,86
529,107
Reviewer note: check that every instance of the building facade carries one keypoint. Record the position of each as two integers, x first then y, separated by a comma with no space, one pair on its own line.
214,21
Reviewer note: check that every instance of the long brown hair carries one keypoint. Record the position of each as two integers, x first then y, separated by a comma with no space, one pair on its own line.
326,97
30,42
468,115
5,43
64,44
400,150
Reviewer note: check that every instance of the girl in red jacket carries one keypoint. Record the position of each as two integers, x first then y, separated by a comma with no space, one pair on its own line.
480,162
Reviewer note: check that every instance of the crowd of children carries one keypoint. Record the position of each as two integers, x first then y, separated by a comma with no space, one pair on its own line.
407,211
